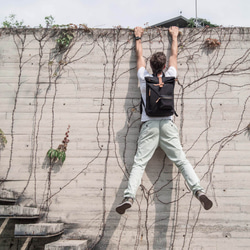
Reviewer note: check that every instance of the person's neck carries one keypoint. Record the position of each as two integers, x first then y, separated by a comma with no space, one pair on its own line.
158,74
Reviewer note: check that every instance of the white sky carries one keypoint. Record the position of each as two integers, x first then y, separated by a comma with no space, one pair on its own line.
127,13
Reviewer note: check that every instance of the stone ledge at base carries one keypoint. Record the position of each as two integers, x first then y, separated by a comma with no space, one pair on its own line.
38,230
18,212
67,245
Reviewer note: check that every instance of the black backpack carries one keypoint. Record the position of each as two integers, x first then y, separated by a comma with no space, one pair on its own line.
159,100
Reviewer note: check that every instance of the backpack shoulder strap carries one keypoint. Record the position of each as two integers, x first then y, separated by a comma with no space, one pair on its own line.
142,104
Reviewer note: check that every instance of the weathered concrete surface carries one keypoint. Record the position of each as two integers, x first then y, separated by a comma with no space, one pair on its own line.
19,212
39,229
8,196
9,242
93,87
67,245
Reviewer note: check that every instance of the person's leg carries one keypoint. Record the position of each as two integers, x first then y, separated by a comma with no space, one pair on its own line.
148,141
170,144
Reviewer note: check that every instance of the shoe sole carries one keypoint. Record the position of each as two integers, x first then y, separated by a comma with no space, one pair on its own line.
122,208
206,203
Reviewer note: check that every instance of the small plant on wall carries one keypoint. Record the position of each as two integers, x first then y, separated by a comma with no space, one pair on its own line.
3,140
64,39
66,35
211,43
59,154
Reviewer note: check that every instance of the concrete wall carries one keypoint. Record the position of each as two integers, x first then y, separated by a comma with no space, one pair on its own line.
92,87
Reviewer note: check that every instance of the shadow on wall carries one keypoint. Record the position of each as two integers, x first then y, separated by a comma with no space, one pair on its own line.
114,220
151,210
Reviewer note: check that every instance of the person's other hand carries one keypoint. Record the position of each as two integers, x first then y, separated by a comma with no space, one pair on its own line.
173,31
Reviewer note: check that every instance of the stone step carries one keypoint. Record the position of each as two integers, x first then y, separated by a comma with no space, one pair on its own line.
16,212
38,230
67,245
8,196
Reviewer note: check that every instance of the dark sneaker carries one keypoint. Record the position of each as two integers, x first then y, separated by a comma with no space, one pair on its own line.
126,203
205,202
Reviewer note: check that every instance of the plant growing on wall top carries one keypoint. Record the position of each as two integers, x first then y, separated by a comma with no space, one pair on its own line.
59,153
49,20
11,22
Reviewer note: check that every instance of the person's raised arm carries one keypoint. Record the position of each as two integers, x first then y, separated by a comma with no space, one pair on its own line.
138,32
173,31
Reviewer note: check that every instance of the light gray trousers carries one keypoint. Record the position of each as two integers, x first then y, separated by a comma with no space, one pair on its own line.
163,134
